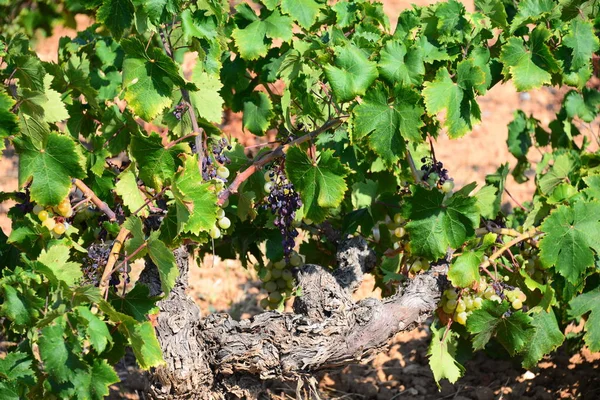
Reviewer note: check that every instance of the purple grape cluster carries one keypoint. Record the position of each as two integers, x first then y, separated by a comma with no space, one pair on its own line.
209,167
180,109
93,263
284,201
431,166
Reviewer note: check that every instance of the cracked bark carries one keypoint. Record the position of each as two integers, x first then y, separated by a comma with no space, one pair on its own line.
218,357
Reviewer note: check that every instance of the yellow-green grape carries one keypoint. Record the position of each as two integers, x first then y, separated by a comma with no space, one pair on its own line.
59,228
425,265
275,297
37,208
220,213
64,207
496,298
517,304
290,284
451,304
448,186
477,303
268,186
450,294
447,309
270,286
538,275
295,260
43,215
215,232
264,274
281,284
69,213
49,223
399,232
276,273
461,318
461,306
468,302
268,176
279,264
223,172
482,286
521,296
398,219
287,275
224,223
488,293
264,303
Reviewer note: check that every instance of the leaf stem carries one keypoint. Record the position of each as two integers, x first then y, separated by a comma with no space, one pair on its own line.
523,236
278,152
499,231
89,193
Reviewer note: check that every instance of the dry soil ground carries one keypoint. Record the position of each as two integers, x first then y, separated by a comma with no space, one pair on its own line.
402,371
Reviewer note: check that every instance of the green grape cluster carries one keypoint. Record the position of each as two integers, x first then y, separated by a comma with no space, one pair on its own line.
278,280
528,258
54,218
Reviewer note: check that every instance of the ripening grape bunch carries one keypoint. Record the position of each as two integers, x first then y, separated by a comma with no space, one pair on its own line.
278,280
55,218
215,166
434,173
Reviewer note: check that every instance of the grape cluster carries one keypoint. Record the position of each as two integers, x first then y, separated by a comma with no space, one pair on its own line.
214,167
278,280
180,109
94,262
54,218
434,173
283,201
461,304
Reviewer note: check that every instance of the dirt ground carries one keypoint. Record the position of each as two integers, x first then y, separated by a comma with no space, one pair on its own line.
402,372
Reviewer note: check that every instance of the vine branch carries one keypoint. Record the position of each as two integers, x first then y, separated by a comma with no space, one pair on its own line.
112,260
242,176
524,236
89,193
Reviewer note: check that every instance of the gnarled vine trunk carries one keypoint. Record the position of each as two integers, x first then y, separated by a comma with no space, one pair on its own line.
218,357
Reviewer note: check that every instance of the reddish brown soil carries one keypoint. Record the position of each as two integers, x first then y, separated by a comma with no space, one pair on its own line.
402,371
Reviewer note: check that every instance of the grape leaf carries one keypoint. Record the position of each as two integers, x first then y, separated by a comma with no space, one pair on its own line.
399,65
54,107
148,78
588,303
582,41
593,186
96,329
513,332
49,168
305,12
352,74
8,121
156,164
30,72
21,308
258,112
198,25
442,355
137,238
138,303
130,193
486,201
434,224
529,11
207,101
321,185
196,202
520,130
464,270
16,365
462,112
547,337
388,125
572,235
558,173
584,106
164,260
101,377
117,15
494,10
252,40
363,193
57,353
57,260
530,67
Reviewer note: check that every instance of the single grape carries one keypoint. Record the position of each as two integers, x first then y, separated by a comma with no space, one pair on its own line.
477,303
268,187
275,297
398,219
223,172
287,275
448,186
460,306
461,318
295,260
264,303
69,213
43,215
451,304
59,228
517,304
220,213
280,264
264,274
225,203
215,232
225,223
468,302
451,293
63,208
37,209
399,232
270,286
49,223
276,273
281,284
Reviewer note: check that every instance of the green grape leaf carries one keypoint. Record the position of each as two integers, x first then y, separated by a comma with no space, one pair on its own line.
364,193
21,308
572,235
101,377
462,112
8,121
529,11
148,78
464,270
588,303
388,125
486,201
30,72
138,303
252,40
593,186
494,10
436,224
582,41
57,353
130,193
520,130
95,329
513,332
529,68
49,168
196,202
305,12
137,238
156,164
164,260
584,106
258,112
352,74
558,173
399,65
207,101
547,337
54,107
57,260
321,184
117,15
198,25
16,365
442,355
